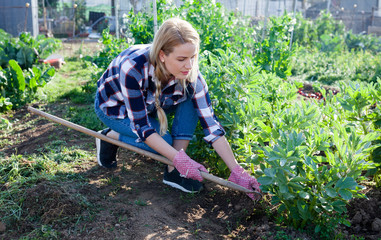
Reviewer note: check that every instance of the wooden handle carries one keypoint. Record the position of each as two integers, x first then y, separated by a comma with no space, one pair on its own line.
157,157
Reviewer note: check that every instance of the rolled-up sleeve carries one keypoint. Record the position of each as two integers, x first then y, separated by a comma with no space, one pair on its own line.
130,81
201,101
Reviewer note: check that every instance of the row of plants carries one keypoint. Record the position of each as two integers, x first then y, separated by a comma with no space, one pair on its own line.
21,72
329,35
333,67
325,52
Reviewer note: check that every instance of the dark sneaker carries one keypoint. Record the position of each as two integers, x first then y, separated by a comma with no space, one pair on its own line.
188,185
106,152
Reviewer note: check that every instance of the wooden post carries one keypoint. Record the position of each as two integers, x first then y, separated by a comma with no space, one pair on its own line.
74,7
154,17
26,16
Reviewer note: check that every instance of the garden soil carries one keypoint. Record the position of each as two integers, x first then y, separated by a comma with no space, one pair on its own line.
131,202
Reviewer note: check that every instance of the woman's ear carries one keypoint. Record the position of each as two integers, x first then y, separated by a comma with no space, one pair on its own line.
161,55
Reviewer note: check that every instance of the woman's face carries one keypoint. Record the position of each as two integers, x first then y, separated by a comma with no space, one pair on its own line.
180,61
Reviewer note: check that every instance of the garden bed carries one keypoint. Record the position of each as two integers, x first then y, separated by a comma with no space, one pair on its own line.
132,202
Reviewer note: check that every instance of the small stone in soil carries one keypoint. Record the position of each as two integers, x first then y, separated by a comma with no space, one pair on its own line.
251,229
237,207
357,228
2,227
357,218
376,225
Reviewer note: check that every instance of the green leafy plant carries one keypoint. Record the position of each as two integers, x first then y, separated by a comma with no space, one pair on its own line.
141,24
218,27
357,100
26,50
20,73
19,86
330,43
273,53
111,48
362,42
302,185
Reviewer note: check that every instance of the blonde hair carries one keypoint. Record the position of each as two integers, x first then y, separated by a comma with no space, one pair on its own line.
172,33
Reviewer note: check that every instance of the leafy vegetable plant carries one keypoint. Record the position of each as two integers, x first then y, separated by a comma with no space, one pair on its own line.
18,87
305,186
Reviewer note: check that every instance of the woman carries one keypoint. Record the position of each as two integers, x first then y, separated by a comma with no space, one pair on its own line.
146,82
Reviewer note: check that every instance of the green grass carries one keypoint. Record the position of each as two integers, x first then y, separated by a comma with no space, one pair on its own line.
83,115
43,232
55,163
140,202
67,81
75,82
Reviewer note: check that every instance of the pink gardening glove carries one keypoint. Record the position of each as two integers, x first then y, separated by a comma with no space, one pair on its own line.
243,178
187,167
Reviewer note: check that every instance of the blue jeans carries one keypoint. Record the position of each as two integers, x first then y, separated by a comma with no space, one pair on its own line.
183,126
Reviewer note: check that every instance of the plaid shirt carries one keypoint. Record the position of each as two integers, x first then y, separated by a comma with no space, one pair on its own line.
127,89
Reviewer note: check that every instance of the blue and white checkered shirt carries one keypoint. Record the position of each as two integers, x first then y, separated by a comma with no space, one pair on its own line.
127,89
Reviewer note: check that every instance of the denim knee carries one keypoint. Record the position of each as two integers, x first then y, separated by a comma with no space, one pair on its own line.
185,121
126,135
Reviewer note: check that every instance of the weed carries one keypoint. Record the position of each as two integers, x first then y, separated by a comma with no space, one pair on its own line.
141,202
352,237
115,190
122,218
282,235
43,232
212,193
20,172
4,124
197,229
187,197
6,142
229,226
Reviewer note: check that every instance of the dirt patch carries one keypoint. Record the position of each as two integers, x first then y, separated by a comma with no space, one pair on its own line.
308,91
50,203
31,132
131,202
365,215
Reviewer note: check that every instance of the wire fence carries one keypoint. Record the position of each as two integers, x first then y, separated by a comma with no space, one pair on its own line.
17,19
357,15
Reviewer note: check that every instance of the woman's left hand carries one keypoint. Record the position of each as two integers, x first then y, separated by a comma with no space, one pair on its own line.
244,179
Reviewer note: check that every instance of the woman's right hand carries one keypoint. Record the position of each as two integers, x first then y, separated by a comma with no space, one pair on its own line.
187,167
